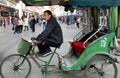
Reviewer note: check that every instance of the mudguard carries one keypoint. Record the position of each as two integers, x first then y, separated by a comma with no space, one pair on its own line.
98,53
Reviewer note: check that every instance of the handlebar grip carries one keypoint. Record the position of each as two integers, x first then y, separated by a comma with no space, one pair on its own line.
33,38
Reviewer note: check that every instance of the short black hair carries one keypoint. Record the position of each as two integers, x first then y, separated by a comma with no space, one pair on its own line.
49,12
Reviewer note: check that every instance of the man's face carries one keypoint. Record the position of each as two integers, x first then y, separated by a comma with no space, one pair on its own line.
47,16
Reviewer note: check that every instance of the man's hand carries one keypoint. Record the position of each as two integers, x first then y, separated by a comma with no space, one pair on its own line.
43,43
33,38
33,43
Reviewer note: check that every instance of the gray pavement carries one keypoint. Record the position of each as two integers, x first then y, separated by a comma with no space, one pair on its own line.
9,43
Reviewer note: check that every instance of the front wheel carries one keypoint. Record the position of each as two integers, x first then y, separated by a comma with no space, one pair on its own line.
101,67
15,66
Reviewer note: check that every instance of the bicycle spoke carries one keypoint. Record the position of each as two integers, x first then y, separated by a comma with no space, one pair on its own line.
15,67
101,67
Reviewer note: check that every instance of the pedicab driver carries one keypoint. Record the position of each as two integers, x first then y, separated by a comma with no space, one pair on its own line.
51,37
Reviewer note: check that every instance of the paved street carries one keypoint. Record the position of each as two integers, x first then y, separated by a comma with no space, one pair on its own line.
9,43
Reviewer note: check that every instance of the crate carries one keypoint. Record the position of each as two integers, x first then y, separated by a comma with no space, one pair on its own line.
23,46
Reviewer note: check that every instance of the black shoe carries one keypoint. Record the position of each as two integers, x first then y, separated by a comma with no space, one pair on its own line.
42,52
40,55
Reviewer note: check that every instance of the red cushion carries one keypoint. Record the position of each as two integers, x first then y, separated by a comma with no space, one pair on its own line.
78,46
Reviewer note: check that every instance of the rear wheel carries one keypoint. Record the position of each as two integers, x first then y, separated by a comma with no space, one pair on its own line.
15,66
101,67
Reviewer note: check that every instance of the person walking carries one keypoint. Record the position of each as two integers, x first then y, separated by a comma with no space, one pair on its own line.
29,22
20,25
12,20
68,20
4,22
40,21
44,24
8,20
33,22
26,24
15,23
52,35
78,22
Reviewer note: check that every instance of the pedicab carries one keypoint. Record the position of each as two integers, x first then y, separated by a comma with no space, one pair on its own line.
90,53
93,57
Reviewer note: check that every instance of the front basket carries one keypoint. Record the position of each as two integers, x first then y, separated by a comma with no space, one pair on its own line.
23,46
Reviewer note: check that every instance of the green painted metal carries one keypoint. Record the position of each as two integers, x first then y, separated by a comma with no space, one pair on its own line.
113,18
48,63
41,59
99,46
37,56
23,47
102,53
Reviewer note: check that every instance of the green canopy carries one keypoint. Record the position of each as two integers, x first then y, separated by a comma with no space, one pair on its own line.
74,2
94,2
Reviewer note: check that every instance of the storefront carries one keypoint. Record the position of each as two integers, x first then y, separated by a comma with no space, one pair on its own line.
6,11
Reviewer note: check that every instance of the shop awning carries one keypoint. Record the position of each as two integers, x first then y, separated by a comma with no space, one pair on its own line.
91,3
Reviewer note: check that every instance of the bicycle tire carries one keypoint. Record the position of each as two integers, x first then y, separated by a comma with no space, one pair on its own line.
14,67
103,72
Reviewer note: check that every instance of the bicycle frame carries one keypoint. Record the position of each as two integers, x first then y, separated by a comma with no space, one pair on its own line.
34,56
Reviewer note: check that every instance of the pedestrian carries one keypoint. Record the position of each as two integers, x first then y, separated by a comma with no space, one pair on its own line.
40,21
68,21
33,22
60,20
20,25
26,24
8,20
15,23
0,21
78,22
12,20
44,24
37,19
4,22
29,22
51,36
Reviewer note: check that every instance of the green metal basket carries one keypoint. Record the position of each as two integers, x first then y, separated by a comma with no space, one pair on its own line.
23,47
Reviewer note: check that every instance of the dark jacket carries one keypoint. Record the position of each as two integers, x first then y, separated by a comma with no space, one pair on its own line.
52,33
33,21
